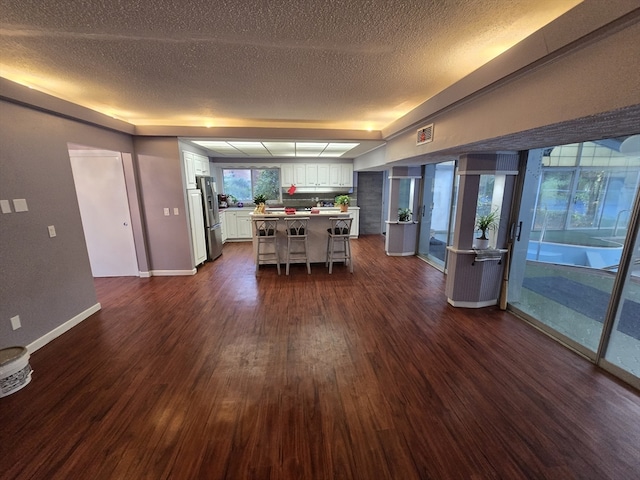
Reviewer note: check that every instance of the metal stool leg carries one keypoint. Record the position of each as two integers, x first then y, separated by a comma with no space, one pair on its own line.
306,254
288,254
275,246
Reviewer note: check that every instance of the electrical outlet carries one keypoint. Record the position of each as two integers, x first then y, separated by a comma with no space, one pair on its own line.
52,231
15,322
166,212
176,211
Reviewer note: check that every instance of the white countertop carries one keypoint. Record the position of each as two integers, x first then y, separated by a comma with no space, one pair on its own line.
306,213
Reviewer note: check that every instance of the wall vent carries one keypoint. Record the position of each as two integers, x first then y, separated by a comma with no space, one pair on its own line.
424,135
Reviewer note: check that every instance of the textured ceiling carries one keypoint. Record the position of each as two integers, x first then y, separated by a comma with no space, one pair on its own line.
356,64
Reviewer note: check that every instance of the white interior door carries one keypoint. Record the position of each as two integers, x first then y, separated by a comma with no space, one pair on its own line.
104,208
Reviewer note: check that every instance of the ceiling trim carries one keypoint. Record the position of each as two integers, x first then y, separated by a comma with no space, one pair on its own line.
257,133
15,93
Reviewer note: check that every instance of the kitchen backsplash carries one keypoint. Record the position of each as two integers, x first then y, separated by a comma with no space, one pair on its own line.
312,199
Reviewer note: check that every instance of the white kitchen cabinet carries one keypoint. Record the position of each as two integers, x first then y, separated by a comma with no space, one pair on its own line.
244,225
300,174
196,220
201,165
236,224
354,213
287,175
341,175
230,224
293,174
194,164
189,170
324,175
316,175
311,175
223,227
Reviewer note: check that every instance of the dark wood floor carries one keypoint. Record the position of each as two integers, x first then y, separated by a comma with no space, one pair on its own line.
370,375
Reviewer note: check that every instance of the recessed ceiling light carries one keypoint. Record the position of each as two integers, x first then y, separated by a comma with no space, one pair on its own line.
251,148
277,149
338,149
281,149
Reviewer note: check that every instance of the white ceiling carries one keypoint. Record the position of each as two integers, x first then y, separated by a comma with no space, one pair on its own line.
340,64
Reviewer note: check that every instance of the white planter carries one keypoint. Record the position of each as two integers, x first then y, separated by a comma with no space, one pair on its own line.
15,371
481,243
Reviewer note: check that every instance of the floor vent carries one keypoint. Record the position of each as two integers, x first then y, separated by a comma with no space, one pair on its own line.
424,135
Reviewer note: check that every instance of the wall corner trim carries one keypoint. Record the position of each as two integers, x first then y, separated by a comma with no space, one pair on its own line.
65,327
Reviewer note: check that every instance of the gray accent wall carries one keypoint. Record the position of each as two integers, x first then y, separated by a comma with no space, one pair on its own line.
46,281
370,202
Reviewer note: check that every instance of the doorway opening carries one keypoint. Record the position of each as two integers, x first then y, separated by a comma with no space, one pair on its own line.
438,209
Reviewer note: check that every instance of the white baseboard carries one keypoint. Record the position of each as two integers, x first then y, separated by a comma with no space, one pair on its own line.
144,274
172,273
65,327
486,303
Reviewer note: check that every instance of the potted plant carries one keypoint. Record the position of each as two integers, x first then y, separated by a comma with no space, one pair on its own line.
259,200
484,223
343,201
404,215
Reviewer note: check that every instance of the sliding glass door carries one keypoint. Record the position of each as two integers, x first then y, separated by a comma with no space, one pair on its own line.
623,346
438,197
576,213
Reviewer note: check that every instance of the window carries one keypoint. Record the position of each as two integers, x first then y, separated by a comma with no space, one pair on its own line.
245,183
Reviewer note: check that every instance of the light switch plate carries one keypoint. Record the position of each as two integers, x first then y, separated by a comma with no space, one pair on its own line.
5,206
166,212
15,322
176,211
52,231
20,205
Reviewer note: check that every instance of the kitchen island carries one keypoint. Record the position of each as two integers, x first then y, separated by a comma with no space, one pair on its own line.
317,234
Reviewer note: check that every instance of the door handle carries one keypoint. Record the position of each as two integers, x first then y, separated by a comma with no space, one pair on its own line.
515,227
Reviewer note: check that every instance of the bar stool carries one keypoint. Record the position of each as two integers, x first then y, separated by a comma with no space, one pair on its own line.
297,233
339,233
265,231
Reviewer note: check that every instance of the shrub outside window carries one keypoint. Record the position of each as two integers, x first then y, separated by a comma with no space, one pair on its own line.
245,183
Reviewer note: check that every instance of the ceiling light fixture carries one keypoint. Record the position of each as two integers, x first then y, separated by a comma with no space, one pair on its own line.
277,149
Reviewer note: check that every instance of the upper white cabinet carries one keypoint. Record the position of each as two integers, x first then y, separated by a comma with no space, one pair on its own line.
194,164
341,175
299,174
322,175
202,165
286,175
189,170
316,175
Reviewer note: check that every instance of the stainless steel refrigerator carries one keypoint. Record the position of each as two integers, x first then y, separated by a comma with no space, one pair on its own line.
212,225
